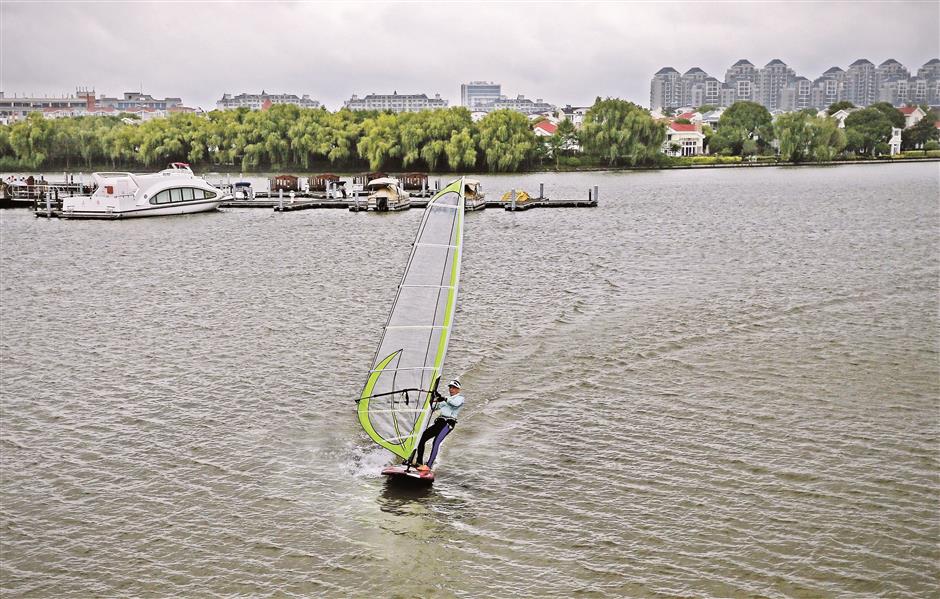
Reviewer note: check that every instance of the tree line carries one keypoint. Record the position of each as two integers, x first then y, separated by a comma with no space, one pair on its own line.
614,133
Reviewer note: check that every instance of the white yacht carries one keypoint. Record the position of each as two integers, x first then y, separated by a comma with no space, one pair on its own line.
386,194
174,190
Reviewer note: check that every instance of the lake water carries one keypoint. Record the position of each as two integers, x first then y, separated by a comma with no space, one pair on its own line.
717,383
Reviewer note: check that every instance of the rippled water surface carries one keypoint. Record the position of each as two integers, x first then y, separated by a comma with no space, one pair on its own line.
717,383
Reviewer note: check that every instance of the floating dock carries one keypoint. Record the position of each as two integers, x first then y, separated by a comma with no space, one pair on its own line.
49,204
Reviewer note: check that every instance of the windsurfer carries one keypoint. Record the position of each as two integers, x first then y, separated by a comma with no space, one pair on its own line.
446,421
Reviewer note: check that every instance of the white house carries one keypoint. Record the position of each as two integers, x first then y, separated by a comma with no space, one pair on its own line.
712,117
839,115
575,114
683,140
912,115
544,129
895,142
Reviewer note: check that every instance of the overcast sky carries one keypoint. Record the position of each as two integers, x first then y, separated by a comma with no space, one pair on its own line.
564,52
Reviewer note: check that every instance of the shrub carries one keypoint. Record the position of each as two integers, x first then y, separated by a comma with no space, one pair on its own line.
931,145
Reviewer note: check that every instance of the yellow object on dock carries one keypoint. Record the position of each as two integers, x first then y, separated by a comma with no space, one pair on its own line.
521,196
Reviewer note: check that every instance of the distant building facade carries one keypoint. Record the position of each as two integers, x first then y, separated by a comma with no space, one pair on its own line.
521,104
396,102
777,87
477,94
85,103
259,101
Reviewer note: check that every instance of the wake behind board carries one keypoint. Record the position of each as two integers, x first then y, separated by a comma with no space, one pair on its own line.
401,472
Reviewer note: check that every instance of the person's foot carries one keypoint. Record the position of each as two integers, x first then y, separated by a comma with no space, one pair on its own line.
423,468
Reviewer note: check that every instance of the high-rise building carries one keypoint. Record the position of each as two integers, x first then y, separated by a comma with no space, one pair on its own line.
927,84
772,80
666,89
693,87
827,89
797,95
860,80
477,94
777,87
743,80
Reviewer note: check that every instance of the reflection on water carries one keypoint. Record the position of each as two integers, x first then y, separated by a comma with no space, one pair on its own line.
717,383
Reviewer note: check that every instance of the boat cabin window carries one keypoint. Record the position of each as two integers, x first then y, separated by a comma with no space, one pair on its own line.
182,194
161,198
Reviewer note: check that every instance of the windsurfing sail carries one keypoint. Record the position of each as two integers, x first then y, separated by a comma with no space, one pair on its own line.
394,405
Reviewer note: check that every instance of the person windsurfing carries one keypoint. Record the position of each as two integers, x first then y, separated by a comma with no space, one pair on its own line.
444,423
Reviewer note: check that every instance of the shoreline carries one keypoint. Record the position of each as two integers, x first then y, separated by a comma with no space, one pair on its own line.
577,169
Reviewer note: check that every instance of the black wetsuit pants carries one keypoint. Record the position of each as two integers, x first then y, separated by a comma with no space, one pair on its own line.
437,431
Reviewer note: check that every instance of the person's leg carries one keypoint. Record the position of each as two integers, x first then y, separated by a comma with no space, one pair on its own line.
437,443
429,433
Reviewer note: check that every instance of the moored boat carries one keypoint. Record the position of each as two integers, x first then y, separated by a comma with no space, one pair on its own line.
174,190
386,194
474,194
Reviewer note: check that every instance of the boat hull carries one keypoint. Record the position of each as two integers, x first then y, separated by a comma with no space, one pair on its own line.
159,210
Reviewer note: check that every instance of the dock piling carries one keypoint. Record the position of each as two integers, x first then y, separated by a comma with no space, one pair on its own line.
541,191
595,194
48,205
589,195
280,199
513,199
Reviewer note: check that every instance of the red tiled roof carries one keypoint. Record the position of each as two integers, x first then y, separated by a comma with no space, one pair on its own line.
686,115
906,110
547,126
682,127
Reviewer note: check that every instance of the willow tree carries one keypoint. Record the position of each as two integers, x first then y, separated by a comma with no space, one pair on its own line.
620,132
806,137
506,140
380,140
461,150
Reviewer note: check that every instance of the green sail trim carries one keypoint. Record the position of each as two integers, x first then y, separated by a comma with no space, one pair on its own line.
398,449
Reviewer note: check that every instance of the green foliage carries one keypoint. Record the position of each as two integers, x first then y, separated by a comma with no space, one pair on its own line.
506,140
621,132
922,133
931,145
837,106
807,137
744,129
865,129
895,116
